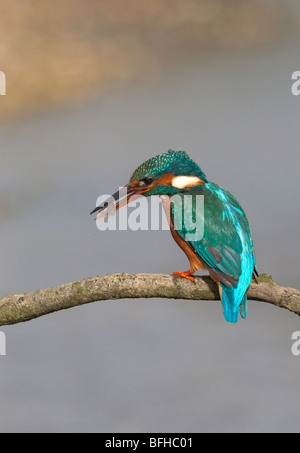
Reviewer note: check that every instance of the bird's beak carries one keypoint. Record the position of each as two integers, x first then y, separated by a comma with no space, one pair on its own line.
122,197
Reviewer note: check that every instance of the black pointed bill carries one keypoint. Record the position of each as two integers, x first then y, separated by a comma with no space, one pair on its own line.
119,199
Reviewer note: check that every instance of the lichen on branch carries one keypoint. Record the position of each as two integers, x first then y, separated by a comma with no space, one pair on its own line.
24,307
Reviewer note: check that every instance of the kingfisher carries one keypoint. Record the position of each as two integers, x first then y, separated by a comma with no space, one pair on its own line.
221,245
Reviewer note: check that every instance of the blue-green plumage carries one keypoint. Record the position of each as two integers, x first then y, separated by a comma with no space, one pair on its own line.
226,248
223,243
176,162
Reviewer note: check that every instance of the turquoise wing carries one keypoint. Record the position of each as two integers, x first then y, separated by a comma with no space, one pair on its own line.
216,228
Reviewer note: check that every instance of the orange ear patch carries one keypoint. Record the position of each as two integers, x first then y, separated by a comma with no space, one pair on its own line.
165,180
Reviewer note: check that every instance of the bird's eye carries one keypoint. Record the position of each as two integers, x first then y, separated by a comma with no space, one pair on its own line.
148,180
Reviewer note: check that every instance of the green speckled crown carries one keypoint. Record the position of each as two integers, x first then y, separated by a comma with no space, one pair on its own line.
177,162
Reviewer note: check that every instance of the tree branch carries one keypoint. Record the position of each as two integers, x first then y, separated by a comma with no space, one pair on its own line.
23,307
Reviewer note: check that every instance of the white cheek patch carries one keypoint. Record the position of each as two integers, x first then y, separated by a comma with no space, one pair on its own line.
181,182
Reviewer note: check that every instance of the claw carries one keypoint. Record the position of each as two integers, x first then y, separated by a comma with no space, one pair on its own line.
185,275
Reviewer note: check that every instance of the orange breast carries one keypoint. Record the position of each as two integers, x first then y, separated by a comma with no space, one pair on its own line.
195,261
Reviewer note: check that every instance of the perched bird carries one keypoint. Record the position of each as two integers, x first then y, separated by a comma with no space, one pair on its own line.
223,245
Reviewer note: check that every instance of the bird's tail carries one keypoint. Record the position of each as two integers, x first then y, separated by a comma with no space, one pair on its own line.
243,307
232,304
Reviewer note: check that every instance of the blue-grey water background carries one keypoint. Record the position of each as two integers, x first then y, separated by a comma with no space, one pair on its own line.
153,365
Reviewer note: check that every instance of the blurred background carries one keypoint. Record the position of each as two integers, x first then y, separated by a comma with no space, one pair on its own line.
93,89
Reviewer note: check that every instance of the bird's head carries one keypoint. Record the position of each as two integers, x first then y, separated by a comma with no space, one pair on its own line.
165,174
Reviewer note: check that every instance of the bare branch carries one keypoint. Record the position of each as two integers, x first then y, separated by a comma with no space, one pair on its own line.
24,307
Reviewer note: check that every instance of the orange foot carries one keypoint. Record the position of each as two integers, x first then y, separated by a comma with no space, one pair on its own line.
185,275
